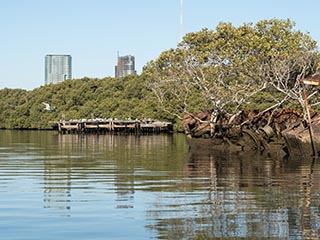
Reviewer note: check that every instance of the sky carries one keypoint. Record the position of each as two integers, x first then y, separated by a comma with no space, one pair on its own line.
93,32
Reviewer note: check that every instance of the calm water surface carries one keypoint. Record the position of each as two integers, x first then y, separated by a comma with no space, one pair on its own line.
122,187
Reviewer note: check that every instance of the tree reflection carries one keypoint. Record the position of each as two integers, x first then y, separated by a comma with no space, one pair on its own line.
234,195
183,195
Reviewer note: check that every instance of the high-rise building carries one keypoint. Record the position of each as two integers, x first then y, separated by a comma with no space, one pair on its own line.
57,68
125,66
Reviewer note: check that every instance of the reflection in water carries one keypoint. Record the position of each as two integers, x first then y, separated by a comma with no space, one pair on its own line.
244,196
91,186
57,186
102,159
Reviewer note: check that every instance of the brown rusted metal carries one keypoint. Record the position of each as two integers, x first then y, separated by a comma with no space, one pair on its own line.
313,80
314,151
283,130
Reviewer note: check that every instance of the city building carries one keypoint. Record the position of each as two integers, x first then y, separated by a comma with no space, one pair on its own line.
125,66
57,68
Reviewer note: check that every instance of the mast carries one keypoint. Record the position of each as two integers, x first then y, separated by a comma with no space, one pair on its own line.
181,19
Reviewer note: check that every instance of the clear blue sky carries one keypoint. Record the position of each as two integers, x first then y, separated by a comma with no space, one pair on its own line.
92,31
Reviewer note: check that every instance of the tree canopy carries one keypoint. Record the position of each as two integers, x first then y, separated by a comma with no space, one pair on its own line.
226,69
252,66
79,98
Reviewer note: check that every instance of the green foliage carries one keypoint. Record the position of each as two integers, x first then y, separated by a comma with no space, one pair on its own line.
125,97
233,68
228,69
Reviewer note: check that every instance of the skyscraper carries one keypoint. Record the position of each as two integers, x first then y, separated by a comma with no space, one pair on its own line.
125,66
57,68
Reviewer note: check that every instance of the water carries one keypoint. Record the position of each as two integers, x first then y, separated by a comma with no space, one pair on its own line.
122,187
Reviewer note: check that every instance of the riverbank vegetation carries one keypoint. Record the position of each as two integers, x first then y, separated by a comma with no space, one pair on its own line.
234,68
79,98
253,66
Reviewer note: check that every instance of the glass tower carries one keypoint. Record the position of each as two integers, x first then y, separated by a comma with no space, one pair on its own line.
125,66
57,68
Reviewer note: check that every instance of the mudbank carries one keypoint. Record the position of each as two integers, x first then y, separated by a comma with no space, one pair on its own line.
268,131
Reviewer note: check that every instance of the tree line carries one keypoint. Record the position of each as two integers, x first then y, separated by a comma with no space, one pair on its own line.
79,98
228,69
234,68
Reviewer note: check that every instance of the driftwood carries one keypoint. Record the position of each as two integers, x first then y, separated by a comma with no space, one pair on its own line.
268,131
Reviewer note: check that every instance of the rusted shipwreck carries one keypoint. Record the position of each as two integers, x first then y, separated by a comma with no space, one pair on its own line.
268,131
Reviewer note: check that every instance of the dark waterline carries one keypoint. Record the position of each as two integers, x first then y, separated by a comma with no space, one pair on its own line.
150,187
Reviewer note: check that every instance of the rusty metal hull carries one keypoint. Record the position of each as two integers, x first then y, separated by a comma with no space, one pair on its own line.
298,140
282,131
